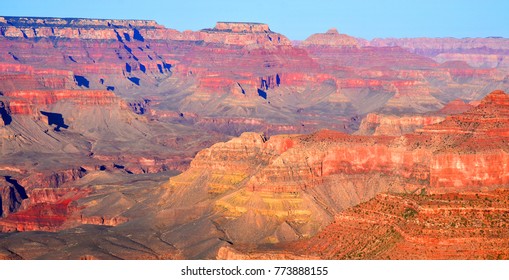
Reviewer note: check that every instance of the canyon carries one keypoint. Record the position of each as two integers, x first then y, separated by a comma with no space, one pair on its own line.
124,139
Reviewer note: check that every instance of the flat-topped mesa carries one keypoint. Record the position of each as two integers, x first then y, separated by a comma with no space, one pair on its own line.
239,27
229,33
332,31
82,28
26,102
242,34
331,38
75,22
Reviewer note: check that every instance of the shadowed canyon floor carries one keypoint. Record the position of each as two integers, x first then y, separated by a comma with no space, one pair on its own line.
123,139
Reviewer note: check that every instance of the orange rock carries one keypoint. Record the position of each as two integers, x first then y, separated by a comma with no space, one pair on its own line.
307,179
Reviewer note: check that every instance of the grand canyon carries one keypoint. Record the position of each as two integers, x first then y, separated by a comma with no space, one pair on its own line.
125,139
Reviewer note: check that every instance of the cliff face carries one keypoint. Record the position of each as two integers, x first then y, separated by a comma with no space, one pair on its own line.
452,226
95,112
303,181
379,124
395,125
285,88
331,38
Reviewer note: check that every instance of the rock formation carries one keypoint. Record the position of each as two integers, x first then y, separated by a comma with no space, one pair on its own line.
451,226
100,120
331,38
190,72
394,125
298,184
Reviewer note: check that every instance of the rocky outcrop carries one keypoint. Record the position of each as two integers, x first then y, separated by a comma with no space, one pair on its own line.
244,34
297,89
12,195
477,137
392,226
29,27
379,124
62,85
454,107
294,185
452,226
49,97
48,210
395,125
331,38
234,33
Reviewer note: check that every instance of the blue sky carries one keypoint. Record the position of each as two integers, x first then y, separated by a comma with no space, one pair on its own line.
296,19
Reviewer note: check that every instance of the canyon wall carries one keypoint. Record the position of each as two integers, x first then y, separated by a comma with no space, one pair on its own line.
296,184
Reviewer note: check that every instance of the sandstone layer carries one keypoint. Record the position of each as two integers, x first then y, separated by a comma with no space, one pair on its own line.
100,120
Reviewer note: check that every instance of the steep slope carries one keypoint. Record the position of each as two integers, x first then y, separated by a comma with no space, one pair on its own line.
463,218
97,115
328,81
451,226
51,138
297,184
395,125
291,196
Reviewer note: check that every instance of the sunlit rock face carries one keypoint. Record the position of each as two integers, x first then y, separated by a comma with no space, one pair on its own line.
200,144
305,180
238,77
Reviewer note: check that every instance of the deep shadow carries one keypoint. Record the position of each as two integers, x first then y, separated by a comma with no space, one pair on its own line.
278,80
167,66
264,84
128,49
82,81
110,88
262,93
7,119
127,67
118,166
135,80
137,35
241,88
127,37
14,57
118,36
19,188
72,59
160,68
56,119
143,68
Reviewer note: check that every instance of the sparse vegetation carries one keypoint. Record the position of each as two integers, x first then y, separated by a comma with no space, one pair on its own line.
409,213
